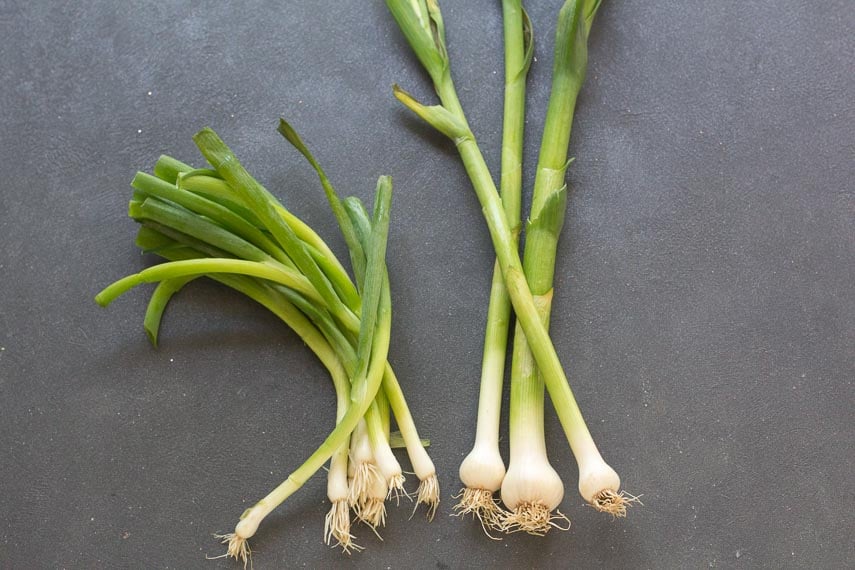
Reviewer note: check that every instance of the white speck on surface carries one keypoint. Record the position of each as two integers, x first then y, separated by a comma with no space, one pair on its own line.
149,93
139,131
738,553
171,360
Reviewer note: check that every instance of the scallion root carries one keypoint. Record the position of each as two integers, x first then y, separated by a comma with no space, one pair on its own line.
337,526
238,548
364,476
534,518
481,504
613,503
429,495
396,489
371,507
373,512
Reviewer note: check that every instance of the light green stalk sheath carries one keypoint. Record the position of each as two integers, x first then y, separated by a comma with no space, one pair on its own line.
451,120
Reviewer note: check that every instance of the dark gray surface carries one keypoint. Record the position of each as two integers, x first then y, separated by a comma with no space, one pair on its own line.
704,305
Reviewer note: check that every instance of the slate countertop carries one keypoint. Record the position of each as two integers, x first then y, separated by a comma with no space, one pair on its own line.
704,305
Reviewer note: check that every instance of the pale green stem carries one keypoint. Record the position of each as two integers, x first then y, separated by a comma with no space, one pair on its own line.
499,310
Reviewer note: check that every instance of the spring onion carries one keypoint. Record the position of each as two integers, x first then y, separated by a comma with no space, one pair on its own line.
482,471
220,223
422,24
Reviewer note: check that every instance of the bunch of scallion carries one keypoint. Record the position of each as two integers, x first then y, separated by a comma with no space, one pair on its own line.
531,490
219,222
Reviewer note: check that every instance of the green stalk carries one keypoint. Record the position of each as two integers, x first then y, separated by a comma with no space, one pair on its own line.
377,422
348,231
543,230
385,412
219,191
362,394
278,301
171,270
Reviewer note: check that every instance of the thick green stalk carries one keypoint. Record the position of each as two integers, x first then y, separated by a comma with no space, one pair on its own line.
546,219
518,50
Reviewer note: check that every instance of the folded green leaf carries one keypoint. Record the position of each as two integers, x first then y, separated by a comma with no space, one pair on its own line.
436,116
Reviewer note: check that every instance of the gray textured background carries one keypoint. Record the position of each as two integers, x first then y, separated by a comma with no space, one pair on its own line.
704,304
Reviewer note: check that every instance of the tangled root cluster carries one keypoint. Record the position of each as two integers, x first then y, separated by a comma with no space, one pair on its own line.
428,494
396,489
238,548
533,518
481,504
613,503
337,526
